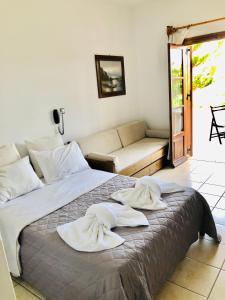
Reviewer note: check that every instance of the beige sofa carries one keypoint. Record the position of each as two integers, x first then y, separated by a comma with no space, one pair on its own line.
131,149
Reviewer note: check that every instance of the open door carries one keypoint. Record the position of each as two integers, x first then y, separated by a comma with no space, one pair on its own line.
180,98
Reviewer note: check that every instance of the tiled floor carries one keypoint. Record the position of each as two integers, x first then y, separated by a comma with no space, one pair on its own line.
201,275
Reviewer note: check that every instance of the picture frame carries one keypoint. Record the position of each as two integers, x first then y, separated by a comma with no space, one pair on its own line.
110,75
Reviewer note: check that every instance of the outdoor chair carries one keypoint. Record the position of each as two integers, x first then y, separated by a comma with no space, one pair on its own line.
219,134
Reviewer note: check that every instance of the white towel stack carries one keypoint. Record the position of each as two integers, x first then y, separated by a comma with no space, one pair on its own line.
93,233
146,194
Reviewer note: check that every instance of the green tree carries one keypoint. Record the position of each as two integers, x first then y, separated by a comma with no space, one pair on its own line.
204,79
196,47
197,60
206,75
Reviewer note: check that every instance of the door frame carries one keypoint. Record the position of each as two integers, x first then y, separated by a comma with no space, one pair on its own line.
204,38
188,42
187,97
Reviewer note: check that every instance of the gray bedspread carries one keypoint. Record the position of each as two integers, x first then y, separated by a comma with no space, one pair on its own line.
135,270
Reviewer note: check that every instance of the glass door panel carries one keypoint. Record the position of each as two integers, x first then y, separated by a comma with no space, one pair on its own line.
178,120
176,58
177,92
178,71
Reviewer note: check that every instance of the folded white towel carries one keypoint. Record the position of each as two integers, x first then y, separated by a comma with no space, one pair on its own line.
93,233
146,194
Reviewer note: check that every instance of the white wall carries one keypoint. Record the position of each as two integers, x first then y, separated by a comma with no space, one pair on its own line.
47,61
151,20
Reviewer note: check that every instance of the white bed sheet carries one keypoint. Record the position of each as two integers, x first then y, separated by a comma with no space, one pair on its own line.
16,214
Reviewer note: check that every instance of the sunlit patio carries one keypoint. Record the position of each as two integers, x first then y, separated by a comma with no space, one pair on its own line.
203,149
212,94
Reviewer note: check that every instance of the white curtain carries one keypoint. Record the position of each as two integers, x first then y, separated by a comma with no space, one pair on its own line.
178,37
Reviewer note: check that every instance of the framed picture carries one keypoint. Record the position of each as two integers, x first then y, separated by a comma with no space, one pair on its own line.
110,75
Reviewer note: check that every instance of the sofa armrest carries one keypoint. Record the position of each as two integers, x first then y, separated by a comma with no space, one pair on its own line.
103,162
101,156
158,133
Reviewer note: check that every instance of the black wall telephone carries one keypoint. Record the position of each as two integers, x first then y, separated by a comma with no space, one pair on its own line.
59,119
56,116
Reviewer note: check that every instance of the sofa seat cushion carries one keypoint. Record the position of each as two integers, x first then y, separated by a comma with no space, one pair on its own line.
104,142
135,152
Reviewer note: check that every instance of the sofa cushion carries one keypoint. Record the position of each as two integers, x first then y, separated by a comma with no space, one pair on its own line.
132,132
101,157
137,151
103,142
158,133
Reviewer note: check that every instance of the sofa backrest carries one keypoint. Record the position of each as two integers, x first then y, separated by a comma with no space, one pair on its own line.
103,142
132,132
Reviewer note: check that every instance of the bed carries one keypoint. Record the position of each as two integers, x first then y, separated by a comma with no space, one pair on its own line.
135,270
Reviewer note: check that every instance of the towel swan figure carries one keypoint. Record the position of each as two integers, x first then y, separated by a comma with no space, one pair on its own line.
92,232
146,194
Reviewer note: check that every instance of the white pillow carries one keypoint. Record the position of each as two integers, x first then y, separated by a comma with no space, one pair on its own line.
61,162
8,155
42,144
17,179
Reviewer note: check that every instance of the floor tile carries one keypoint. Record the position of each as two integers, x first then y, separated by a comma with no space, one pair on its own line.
16,279
208,252
211,199
194,185
195,276
217,179
174,292
218,292
191,164
203,167
23,294
199,177
212,189
221,203
219,216
14,282
30,289
221,231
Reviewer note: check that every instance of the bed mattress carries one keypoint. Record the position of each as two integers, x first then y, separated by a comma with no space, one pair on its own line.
135,270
